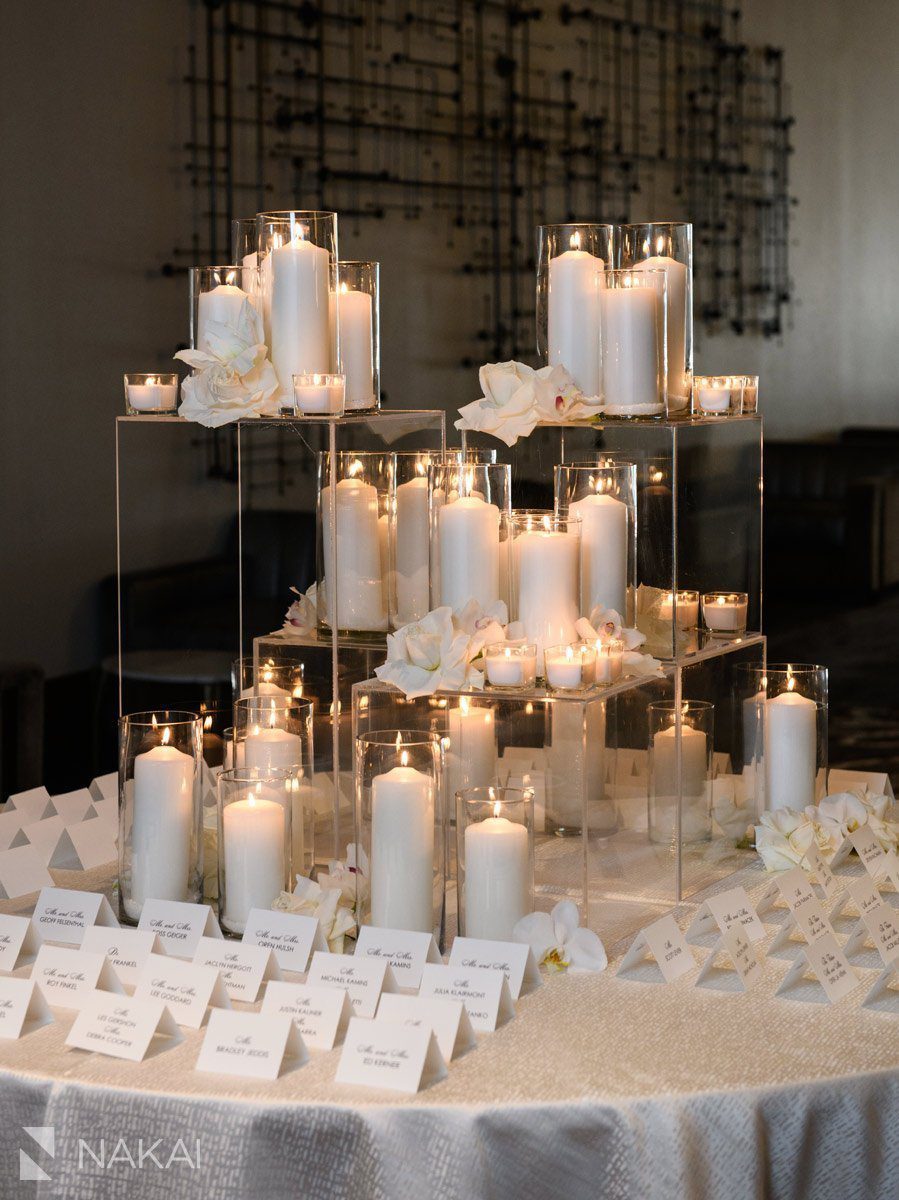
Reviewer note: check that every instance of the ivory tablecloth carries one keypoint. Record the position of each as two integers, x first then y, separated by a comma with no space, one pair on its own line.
601,1088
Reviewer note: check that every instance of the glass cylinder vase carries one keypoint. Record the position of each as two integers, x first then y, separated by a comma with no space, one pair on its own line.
634,306
571,261
354,320
351,542
667,246
681,746
254,842
280,673
495,857
545,577
160,809
274,732
400,826
217,296
244,241
468,503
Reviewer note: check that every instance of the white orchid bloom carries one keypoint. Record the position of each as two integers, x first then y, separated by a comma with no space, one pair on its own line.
558,942
350,880
427,655
303,612
517,398
783,838
310,899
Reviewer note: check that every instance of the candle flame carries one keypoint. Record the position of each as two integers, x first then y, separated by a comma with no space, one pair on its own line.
344,289
153,721
791,682
255,731
721,600
419,467
299,233
508,652
404,758
569,653
656,476
354,468
660,243
575,240
272,717
230,277
546,524
151,381
166,736
497,807
207,723
529,709
399,742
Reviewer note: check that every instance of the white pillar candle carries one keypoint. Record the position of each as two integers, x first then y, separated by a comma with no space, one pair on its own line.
253,831
630,331
546,570
573,316
221,304
471,753
694,762
412,551
791,751
603,552
359,584
152,396
468,532
299,310
272,749
576,767
402,850
676,274
162,826
564,669
497,891
350,314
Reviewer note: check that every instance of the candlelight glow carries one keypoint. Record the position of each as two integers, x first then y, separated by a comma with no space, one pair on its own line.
575,240
166,736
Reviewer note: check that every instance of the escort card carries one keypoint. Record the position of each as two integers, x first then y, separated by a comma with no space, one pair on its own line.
253,1044
831,970
19,942
735,947
365,979
321,1014
62,915
106,787
126,949
290,937
67,977
809,919
32,805
22,872
122,1027
381,1055
484,992
793,886
884,995
83,847
825,878
448,1020
186,989
664,942
72,807
10,827
514,959
44,836
243,969
405,951
876,862
22,1008
880,924
725,910
178,925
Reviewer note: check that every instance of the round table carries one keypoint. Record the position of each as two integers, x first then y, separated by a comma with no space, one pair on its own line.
601,1087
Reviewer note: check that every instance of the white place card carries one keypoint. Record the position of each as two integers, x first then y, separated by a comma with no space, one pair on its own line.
43,836
243,969
822,874
179,925
73,807
364,979
10,828
186,989
448,1020
253,1044
122,1027
405,951
290,937
736,949
725,910
878,924
22,871
105,787
884,995
831,970
126,949
514,959
33,804
793,887
62,915
876,861
108,815
19,942
321,1014
809,918
664,942
22,1008
484,992
379,1054
83,847
67,977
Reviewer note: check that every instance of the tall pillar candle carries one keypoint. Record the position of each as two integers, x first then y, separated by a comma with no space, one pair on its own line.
546,571
359,583
299,310
221,304
402,850
694,761
254,836
497,878
471,754
162,828
677,318
412,551
468,531
630,330
352,346
573,315
603,552
272,749
791,751
576,767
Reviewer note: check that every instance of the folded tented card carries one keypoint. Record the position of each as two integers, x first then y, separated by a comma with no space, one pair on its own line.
380,1054
252,1044
290,937
32,805
793,887
19,942
810,919
43,836
178,925
405,951
83,847
365,979
106,787
829,884
22,1008
879,865
186,989
243,969
733,948
484,992
10,828
832,973
73,807
884,995
126,949
514,959
448,1020
878,922
22,871
67,977
122,1027
725,910
664,942
321,1014
62,915
108,815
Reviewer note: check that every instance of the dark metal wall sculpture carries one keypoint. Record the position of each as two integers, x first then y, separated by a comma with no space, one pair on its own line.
488,118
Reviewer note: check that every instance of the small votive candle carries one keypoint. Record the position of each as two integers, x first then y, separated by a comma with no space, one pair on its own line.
319,395
750,393
609,661
713,395
686,611
511,665
725,612
565,667
154,393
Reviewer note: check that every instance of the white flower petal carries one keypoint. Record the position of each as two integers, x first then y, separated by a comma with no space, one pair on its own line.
537,931
586,952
